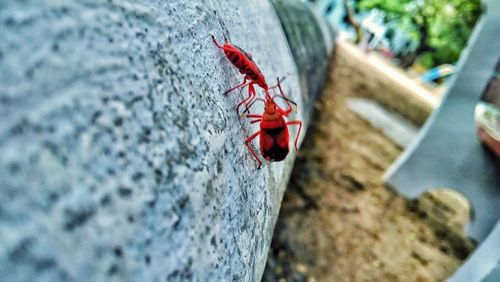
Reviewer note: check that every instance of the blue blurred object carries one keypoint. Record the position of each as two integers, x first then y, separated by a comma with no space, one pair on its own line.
438,72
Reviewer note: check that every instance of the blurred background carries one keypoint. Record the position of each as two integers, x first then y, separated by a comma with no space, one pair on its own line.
394,61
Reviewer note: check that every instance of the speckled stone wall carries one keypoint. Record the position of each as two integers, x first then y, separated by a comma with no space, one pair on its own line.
120,158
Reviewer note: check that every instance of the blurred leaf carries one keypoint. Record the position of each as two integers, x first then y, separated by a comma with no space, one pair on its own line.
440,28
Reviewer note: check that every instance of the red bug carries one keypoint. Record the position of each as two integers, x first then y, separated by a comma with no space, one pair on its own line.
273,133
246,65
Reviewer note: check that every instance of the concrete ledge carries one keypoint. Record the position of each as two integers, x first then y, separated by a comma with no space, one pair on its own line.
406,97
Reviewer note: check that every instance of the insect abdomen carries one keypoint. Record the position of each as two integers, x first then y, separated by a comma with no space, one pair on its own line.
274,143
237,59
243,62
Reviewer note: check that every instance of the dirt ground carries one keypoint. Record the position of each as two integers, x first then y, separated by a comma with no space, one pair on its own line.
338,221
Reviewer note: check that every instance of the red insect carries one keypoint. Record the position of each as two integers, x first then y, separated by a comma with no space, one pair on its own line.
245,64
273,133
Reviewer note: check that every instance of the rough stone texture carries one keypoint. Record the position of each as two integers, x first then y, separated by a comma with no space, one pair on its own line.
121,159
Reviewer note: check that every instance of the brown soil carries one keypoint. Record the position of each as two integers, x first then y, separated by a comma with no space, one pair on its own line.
338,221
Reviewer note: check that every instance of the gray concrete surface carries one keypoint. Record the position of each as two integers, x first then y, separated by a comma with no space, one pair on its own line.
391,124
121,159
484,264
494,275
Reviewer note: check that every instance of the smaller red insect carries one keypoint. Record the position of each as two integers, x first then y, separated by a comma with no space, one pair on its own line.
245,64
273,133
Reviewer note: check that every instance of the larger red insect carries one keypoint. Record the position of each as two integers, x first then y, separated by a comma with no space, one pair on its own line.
245,64
273,133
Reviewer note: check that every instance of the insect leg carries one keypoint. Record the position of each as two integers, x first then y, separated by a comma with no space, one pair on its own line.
253,116
248,140
298,133
237,86
289,109
251,96
215,42
257,118
251,104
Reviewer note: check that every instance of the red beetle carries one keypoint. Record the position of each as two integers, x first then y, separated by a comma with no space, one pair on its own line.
273,133
245,64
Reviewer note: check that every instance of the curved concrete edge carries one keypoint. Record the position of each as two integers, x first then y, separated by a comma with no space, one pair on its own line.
447,152
482,264
311,57
329,33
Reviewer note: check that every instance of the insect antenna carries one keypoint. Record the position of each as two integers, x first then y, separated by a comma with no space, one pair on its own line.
279,81
286,99
251,104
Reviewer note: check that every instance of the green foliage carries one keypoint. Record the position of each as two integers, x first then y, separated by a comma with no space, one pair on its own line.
440,27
